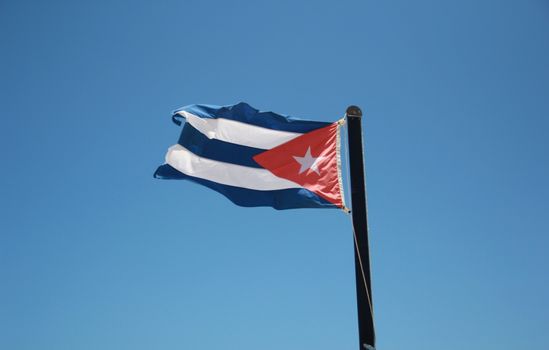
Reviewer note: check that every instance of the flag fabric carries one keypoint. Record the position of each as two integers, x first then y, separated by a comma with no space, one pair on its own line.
257,158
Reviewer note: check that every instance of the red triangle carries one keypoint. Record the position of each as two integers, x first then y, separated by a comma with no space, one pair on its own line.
314,154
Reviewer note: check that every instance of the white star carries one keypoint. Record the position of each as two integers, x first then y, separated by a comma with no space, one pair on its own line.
309,162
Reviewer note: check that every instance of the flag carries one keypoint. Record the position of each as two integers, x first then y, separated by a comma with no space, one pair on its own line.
257,158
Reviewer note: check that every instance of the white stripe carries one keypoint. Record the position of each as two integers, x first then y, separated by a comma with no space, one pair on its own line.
237,132
225,173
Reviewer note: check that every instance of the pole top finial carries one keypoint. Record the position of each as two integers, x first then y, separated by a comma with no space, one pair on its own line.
354,111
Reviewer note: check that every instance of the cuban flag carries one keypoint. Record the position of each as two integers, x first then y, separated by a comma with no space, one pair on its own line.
257,158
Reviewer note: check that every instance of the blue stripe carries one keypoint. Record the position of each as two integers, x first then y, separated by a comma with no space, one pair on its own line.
199,144
245,113
292,198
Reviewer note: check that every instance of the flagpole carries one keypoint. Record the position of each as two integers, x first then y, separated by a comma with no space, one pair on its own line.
359,214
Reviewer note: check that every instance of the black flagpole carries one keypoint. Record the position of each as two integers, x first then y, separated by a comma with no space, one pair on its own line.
360,227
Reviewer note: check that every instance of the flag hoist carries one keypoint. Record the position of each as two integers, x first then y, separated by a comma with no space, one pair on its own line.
257,158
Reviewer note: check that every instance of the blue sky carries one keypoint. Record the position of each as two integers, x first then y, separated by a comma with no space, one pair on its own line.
96,254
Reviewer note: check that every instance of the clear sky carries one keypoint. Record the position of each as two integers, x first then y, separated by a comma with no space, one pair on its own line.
96,254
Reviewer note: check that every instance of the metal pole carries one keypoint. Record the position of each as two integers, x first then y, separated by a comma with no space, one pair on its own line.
360,227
